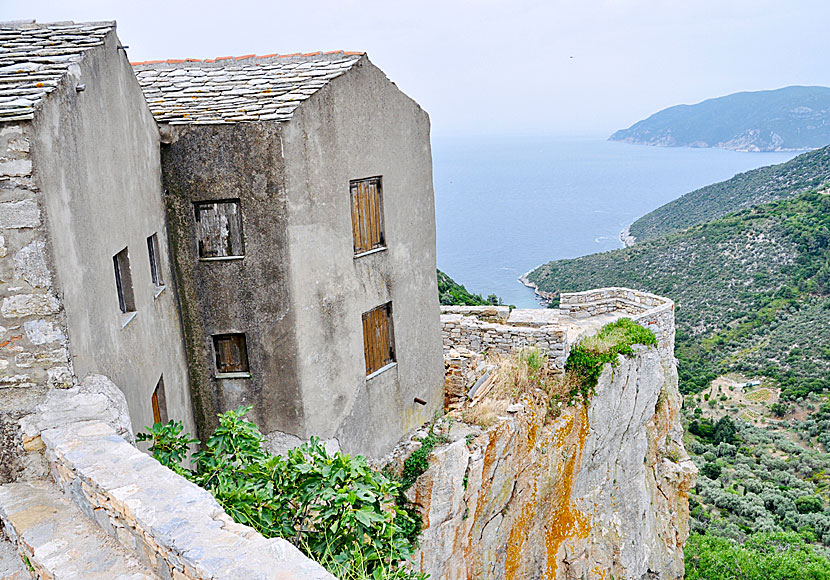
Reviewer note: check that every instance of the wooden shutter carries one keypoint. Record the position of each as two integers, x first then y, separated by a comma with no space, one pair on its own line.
231,353
219,229
378,342
159,401
367,214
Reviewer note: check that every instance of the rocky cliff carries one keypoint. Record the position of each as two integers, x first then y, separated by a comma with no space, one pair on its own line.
596,490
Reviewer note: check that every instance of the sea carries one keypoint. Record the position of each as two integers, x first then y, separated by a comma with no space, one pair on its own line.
506,204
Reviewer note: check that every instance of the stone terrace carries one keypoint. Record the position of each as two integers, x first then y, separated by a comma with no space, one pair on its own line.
496,329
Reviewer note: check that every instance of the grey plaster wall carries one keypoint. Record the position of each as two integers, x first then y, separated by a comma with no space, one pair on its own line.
96,160
361,125
251,295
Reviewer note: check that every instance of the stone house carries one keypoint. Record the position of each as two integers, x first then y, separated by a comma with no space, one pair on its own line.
261,234
86,284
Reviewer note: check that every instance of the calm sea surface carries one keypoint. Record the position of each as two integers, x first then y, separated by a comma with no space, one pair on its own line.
507,204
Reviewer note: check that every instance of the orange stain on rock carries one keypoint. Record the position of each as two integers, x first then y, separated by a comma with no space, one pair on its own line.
565,521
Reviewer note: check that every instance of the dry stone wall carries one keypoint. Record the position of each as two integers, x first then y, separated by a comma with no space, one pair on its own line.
465,331
649,310
33,338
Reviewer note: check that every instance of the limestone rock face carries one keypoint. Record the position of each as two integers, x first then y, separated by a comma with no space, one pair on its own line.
598,491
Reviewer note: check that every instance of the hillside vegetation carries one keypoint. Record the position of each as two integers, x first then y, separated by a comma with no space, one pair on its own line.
783,119
752,290
809,171
451,293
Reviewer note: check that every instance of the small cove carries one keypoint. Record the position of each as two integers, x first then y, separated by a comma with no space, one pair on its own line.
505,204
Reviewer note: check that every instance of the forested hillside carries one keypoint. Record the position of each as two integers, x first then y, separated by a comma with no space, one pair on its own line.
451,292
809,171
752,290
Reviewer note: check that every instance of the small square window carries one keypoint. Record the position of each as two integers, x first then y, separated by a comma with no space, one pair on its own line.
124,281
155,266
231,353
378,338
367,214
159,401
219,229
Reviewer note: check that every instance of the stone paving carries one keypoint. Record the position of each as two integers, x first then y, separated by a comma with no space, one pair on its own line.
59,540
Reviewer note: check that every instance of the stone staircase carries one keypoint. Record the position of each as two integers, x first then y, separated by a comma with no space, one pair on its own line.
59,541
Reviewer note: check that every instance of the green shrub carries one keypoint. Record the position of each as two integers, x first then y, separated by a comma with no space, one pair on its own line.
333,507
588,357
764,556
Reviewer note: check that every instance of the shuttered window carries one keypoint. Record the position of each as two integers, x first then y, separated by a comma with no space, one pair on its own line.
219,229
159,402
378,338
231,353
367,214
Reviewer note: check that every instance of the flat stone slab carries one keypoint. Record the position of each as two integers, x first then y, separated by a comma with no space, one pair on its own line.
59,540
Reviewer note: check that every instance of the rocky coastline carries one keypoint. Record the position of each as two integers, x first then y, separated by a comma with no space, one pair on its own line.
543,297
626,238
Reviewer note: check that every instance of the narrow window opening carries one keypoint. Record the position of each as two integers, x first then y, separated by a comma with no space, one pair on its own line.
124,281
219,230
160,403
231,353
367,215
155,266
378,338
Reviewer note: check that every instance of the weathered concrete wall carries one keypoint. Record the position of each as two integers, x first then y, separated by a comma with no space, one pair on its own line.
251,295
360,125
597,492
96,162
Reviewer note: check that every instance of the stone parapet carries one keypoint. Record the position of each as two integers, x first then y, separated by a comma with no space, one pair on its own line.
174,527
649,310
471,333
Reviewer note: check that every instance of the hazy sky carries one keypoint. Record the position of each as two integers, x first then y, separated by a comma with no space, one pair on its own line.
499,66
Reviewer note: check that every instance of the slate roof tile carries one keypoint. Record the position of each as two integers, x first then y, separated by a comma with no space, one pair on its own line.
34,57
237,89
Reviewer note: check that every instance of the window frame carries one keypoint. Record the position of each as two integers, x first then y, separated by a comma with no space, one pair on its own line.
197,214
154,255
363,241
376,361
221,371
124,282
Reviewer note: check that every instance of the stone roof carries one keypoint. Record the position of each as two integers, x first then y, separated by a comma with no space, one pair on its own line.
35,56
240,89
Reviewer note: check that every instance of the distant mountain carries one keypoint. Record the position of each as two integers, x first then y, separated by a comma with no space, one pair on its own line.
805,172
792,118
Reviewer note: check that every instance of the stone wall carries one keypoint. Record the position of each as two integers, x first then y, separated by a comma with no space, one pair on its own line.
79,437
464,330
33,338
649,310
